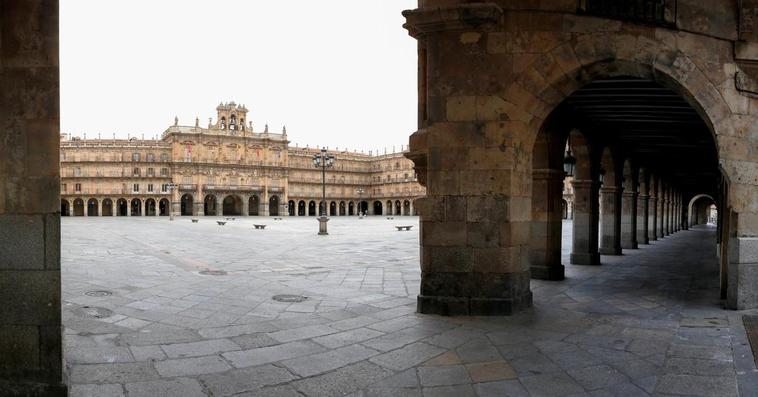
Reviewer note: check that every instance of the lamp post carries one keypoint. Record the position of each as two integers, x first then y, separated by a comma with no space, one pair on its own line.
360,208
171,186
323,160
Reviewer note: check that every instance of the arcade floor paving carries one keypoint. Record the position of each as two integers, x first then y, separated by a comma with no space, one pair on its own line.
142,320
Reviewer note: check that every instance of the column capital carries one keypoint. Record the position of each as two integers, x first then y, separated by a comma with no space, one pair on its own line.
548,173
584,183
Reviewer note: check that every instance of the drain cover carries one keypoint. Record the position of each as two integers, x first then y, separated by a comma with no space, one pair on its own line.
289,298
93,312
213,272
98,293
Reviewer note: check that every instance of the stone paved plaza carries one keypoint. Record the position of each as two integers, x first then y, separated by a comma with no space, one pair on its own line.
646,323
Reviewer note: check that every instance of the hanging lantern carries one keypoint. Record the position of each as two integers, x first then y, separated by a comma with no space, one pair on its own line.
601,175
569,163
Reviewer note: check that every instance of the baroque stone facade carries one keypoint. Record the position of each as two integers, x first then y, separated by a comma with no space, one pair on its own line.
227,169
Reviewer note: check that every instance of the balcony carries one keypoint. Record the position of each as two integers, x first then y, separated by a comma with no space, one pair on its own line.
236,188
655,12
187,187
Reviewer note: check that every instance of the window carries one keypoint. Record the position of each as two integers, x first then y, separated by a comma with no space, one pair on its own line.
64,187
135,172
164,188
77,171
150,172
150,187
135,187
164,156
151,157
164,171
186,180
135,156
78,187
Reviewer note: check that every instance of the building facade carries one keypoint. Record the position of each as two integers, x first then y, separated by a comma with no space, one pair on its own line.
227,169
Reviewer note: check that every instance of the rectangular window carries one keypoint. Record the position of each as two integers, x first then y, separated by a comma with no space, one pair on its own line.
186,180
150,187
135,172
135,188
78,187
135,156
150,172
164,188
150,157
64,187
164,156
164,171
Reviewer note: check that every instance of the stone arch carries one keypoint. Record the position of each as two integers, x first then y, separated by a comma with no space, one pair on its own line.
164,207
65,208
301,209
351,208
122,207
150,207
253,205
231,205
332,208
692,216
78,207
273,205
291,208
107,207
136,205
407,207
210,205
312,210
92,207
342,209
377,207
187,204
388,207
398,209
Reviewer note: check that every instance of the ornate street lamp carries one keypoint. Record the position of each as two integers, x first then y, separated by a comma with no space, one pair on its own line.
569,161
323,160
601,175
171,186
360,191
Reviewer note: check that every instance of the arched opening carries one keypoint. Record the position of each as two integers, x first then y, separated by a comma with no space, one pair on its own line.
253,205
92,207
407,208
343,210
209,205
291,208
164,206
187,204
273,206
136,207
332,209
564,209
150,209
312,208
398,209
363,208
610,203
107,207
232,205
377,207
351,208
122,207
301,208
65,208
388,207
78,207
699,209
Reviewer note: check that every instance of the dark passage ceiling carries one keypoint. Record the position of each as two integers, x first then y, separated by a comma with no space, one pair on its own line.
651,124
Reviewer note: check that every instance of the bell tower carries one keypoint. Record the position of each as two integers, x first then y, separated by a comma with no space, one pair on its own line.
231,117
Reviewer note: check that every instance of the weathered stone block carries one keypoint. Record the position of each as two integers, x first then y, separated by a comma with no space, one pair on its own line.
19,349
23,246
441,234
35,296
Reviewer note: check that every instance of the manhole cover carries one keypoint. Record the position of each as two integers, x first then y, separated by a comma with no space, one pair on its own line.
213,272
93,312
289,298
98,293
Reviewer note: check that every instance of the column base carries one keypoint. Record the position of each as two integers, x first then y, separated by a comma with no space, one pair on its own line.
632,246
609,251
32,389
474,294
552,273
585,259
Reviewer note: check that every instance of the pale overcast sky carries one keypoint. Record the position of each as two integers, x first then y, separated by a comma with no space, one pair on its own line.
340,73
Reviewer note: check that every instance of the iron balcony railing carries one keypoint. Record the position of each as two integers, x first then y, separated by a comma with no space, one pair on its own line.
657,12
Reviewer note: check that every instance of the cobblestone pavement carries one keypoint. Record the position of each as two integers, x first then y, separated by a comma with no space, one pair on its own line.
646,323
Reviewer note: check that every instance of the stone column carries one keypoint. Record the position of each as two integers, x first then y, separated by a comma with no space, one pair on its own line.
667,214
246,205
629,219
547,222
585,224
129,208
610,241
643,203
199,201
100,207
30,277
652,229
661,212
411,208
86,206
263,205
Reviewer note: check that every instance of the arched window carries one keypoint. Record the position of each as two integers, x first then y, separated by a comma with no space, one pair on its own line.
223,123
242,124
233,122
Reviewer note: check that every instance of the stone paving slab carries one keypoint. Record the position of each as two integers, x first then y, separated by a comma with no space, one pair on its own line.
645,323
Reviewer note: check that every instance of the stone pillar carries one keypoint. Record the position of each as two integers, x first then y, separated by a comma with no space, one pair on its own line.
129,208
546,232
30,204
199,202
629,219
100,207
652,229
610,241
661,212
246,205
667,214
263,205
411,208
86,206
585,224
643,203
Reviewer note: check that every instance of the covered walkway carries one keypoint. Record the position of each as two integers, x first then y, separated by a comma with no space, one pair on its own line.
648,322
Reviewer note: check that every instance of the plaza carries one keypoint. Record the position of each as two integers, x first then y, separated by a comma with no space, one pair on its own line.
645,323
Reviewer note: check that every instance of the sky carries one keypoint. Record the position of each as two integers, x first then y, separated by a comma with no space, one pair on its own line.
337,73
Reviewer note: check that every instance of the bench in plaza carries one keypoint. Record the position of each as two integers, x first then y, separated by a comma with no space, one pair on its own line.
260,226
399,228
221,223
229,219
390,217
277,219
194,221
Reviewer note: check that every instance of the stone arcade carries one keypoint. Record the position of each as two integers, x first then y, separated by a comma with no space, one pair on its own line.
659,103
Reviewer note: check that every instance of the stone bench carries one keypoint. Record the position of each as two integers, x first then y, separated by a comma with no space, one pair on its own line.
390,217
399,228
195,220
277,219
229,219
260,226
221,223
